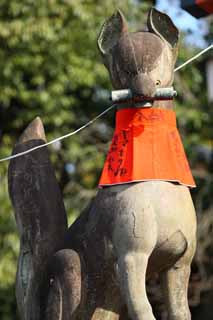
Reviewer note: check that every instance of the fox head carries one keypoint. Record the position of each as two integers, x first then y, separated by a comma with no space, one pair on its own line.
141,61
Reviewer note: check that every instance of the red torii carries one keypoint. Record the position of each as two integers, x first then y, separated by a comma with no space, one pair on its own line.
198,8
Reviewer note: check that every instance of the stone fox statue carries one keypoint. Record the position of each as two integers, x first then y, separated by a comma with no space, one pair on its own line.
142,220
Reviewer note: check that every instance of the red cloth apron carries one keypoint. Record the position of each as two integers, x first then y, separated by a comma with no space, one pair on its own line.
146,146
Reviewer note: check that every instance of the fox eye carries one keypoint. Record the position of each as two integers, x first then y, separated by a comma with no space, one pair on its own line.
128,72
158,82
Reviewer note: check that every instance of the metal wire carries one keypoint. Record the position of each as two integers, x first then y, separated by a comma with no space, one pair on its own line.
193,58
96,118
59,138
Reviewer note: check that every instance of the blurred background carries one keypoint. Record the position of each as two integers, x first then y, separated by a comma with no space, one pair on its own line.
50,67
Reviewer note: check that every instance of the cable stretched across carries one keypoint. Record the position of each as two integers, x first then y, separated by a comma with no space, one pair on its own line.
59,138
97,117
194,57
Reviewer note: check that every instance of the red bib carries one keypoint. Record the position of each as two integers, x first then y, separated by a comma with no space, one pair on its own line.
146,146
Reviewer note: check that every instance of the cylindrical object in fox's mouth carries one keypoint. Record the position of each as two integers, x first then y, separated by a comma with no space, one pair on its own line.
126,94
165,93
120,95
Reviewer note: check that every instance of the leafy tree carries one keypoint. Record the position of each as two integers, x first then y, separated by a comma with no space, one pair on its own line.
50,66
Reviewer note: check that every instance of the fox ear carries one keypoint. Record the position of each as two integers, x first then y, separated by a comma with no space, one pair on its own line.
161,24
111,31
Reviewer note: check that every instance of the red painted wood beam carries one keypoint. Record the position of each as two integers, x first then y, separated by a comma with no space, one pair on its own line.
198,8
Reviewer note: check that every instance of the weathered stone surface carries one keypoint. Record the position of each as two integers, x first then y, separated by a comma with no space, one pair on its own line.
96,269
153,223
40,217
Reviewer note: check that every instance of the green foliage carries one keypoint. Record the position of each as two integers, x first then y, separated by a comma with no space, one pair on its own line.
9,244
193,110
50,66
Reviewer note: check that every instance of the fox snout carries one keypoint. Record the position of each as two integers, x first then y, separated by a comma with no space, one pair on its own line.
142,84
